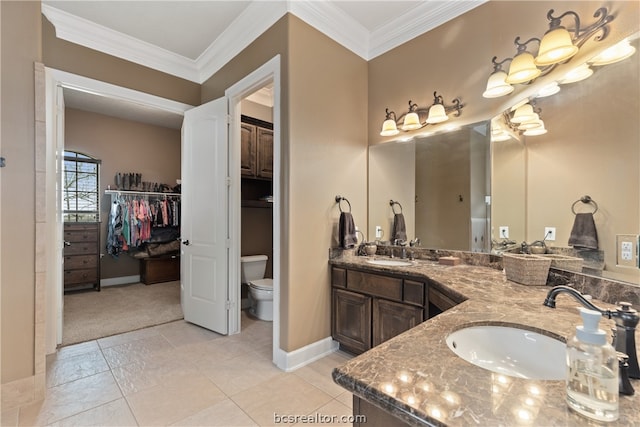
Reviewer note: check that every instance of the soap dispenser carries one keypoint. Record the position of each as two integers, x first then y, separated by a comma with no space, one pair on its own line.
592,374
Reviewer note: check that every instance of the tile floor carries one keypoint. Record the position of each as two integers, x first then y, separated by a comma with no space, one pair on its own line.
183,375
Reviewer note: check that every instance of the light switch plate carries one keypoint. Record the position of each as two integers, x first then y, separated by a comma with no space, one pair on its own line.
627,250
504,232
550,233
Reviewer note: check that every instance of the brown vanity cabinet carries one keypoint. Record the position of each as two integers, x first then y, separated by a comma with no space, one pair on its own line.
369,308
256,148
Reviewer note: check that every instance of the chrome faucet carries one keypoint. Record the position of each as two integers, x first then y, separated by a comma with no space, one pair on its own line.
403,247
625,317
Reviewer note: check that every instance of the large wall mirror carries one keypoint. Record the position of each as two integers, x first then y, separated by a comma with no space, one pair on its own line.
592,147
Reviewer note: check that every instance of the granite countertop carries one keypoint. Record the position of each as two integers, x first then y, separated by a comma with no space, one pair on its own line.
443,389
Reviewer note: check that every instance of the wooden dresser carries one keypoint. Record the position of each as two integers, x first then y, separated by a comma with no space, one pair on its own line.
81,255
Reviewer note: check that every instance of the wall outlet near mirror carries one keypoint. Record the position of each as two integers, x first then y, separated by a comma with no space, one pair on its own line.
550,233
504,232
378,232
627,250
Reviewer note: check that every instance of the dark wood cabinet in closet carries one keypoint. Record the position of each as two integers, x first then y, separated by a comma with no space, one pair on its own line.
256,152
81,255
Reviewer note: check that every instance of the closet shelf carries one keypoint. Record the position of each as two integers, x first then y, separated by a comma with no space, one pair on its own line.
140,193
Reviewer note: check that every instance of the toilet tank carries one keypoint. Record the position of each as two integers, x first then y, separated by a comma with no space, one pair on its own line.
252,267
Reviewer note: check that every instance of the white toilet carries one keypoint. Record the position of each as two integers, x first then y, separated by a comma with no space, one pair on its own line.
260,289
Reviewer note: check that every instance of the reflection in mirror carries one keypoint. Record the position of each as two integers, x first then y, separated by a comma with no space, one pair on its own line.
442,181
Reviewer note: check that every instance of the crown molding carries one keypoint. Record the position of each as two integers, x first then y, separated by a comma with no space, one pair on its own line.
423,18
333,22
89,34
250,24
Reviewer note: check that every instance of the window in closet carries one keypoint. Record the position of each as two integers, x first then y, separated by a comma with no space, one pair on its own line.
81,188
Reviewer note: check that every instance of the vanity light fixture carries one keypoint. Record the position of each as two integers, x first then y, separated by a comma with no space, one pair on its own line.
548,90
579,73
524,113
522,68
615,53
411,119
389,127
558,45
540,130
497,85
417,118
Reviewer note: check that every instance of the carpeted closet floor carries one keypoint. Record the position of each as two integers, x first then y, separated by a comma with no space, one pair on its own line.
115,309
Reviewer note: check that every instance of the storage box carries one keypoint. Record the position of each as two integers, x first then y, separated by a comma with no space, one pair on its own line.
526,269
449,260
564,262
159,269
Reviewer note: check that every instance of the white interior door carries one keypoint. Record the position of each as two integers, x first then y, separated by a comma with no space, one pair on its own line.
205,229
58,269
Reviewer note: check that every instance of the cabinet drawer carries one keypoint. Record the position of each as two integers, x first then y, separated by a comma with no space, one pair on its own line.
81,248
80,236
374,284
74,262
413,292
339,277
87,275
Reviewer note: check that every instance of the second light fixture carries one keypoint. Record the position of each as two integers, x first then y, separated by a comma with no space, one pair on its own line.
417,118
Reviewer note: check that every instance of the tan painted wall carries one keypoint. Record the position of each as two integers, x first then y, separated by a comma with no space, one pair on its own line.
328,156
76,59
123,146
21,47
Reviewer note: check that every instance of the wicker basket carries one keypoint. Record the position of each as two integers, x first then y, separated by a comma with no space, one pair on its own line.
564,262
526,269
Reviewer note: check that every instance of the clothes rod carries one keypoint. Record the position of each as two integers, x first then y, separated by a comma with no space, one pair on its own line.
141,193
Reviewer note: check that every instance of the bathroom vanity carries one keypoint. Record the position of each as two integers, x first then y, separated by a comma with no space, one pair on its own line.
415,379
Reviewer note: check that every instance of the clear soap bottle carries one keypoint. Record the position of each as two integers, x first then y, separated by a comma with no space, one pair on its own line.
592,374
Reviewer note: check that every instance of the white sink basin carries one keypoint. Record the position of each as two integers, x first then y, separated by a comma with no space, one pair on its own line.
511,351
389,262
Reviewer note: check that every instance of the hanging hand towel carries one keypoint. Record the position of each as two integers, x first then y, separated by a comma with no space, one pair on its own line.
399,230
347,231
583,233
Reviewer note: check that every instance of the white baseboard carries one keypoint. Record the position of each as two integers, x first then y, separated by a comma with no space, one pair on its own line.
290,361
123,280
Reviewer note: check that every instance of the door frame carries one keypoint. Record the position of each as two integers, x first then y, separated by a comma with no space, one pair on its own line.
269,72
54,286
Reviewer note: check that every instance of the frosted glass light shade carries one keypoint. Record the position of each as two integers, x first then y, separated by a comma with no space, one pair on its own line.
524,113
522,69
540,130
615,53
389,128
411,122
497,86
437,114
548,90
556,46
579,73
531,124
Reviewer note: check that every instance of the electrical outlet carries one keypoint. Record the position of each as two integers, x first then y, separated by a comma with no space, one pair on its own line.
550,233
627,250
504,232
378,232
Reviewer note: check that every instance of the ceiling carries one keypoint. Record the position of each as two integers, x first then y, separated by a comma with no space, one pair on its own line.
194,39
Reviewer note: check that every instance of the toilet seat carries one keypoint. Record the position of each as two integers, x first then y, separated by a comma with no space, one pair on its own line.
262,284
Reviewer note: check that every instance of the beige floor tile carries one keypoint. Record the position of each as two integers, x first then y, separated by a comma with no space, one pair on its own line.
181,333
138,350
346,398
127,337
318,373
333,414
144,374
116,414
71,368
174,400
9,417
287,394
75,349
213,352
222,414
240,373
70,399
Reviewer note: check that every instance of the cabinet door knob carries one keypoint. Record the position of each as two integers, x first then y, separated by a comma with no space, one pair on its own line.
67,243
186,242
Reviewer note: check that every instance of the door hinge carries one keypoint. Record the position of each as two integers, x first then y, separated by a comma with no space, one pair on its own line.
228,243
229,119
228,181
227,305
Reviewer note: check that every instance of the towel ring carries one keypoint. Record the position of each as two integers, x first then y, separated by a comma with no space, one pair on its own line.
585,200
393,204
339,199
